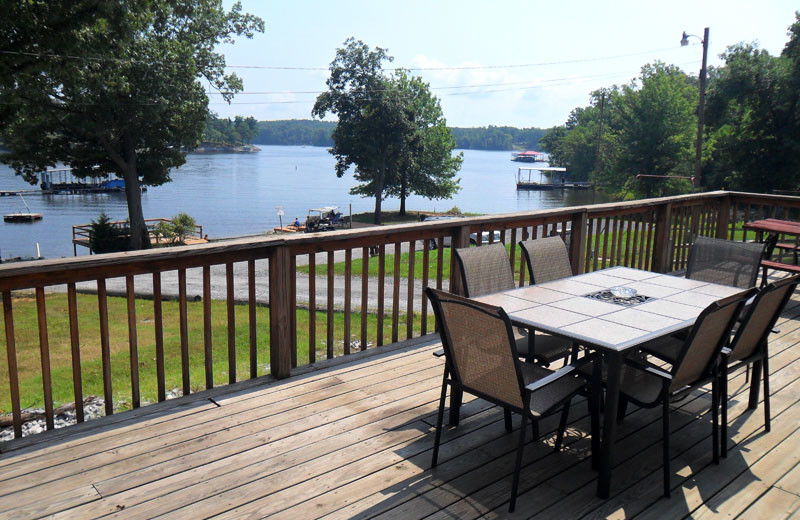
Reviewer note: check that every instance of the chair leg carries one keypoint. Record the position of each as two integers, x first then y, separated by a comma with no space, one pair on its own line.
594,414
439,420
765,368
518,465
622,406
715,420
755,385
507,419
455,405
723,390
665,445
562,425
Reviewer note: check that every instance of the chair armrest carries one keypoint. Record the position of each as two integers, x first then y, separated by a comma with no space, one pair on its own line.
651,369
439,353
558,374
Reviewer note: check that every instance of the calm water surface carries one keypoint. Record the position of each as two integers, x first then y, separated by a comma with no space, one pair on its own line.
231,195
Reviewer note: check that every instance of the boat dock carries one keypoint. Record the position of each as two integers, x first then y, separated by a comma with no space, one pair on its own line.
557,181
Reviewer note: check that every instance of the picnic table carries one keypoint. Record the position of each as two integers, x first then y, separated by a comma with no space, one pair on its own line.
779,229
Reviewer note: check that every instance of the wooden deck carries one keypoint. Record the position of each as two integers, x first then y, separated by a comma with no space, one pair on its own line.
353,440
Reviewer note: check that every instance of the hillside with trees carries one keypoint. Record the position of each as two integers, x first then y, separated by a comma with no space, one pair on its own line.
297,132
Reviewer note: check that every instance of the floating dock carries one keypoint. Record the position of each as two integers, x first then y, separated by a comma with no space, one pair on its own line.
22,217
556,182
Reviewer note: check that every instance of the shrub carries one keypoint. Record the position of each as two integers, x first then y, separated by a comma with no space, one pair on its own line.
105,237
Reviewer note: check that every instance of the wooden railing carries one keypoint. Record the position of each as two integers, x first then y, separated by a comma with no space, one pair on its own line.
82,233
353,307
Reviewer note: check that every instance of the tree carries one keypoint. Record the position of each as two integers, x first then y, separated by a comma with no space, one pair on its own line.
427,166
373,126
753,116
655,126
121,96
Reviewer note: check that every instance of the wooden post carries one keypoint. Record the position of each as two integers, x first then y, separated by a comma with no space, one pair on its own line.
723,217
280,341
661,247
460,238
577,244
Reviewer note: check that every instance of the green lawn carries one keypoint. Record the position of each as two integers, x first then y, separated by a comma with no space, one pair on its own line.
29,363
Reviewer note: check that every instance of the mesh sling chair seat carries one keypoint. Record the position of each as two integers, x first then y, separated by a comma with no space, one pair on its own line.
750,346
481,359
725,262
696,365
547,259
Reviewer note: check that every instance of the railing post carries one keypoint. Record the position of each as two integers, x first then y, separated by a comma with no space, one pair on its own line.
577,241
280,309
724,217
661,246
460,238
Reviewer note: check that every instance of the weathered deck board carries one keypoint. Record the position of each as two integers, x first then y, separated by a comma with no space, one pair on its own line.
353,440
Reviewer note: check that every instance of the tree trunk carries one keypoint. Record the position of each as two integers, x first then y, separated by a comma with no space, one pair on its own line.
378,196
403,195
140,238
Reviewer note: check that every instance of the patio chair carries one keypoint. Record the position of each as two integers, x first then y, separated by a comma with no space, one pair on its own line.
750,345
481,358
725,262
547,259
695,365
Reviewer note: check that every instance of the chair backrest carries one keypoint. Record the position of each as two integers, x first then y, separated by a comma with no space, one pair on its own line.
725,262
479,347
485,269
761,316
547,259
704,343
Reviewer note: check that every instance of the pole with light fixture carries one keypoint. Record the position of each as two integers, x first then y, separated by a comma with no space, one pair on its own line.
698,154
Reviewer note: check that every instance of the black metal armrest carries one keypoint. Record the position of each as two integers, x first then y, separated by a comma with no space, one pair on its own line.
651,369
439,353
558,374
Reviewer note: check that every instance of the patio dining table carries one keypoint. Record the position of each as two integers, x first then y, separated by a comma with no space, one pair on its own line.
582,308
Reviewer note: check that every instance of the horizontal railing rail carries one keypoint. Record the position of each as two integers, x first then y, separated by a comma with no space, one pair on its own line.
285,301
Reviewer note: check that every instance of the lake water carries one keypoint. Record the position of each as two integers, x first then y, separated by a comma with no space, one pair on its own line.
232,195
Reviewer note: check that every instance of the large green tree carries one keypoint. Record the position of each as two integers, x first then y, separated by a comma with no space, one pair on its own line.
118,93
427,166
373,125
753,118
648,128
654,121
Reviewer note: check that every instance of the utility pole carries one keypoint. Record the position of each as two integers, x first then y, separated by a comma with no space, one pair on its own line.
597,151
698,153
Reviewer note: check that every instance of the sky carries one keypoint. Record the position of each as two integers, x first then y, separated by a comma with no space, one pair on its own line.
516,63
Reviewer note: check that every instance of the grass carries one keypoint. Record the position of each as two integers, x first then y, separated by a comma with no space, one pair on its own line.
374,261
29,361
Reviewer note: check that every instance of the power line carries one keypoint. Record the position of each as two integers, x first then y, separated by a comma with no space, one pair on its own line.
51,55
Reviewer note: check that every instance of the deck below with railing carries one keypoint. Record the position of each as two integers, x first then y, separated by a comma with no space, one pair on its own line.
352,438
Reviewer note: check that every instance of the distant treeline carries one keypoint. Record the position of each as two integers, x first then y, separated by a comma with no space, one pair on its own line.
318,133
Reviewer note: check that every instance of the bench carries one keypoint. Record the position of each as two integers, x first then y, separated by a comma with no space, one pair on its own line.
777,266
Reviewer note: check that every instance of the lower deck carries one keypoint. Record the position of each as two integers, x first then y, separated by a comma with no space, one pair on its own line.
353,439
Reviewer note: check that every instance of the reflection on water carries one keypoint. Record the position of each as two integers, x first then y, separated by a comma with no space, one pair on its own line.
233,195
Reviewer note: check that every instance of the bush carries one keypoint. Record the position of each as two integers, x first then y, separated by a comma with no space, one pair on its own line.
105,237
176,230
